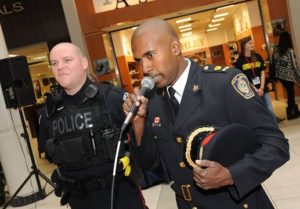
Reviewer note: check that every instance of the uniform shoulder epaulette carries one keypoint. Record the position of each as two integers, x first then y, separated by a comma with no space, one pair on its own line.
215,68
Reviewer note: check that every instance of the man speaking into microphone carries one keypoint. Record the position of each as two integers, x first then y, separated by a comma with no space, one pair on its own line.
198,122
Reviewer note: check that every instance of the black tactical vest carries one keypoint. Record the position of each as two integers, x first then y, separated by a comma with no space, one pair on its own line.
82,135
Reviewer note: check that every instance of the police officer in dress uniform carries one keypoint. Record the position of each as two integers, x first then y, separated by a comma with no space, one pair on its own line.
80,125
207,96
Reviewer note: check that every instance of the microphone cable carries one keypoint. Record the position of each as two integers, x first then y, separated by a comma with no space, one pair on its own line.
116,155
147,85
115,171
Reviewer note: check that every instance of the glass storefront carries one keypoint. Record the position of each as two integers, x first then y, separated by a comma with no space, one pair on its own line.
207,36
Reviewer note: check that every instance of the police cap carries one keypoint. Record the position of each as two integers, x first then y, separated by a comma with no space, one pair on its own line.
224,145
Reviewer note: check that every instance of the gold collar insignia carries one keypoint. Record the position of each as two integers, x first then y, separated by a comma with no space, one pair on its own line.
196,88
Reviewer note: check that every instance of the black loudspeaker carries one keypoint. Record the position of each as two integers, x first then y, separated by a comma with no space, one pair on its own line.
16,82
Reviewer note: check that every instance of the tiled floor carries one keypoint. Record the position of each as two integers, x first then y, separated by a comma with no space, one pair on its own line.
282,187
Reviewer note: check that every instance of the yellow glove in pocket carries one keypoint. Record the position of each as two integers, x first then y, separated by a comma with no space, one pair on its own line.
126,165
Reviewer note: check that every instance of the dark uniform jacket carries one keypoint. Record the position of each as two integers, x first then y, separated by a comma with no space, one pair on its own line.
114,100
96,175
214,96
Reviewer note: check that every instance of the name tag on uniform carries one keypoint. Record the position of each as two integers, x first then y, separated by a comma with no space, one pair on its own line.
256,80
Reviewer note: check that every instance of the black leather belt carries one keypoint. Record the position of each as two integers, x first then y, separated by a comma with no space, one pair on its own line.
188,191
87,185
184,190
93,184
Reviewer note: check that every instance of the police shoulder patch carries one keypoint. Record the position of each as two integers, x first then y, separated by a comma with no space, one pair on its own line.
125,96
242,86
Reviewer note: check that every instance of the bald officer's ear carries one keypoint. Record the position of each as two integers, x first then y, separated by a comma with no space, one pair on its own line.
84,63
176,46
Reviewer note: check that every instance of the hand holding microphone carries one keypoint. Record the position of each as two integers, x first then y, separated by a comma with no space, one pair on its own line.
131,106
133,103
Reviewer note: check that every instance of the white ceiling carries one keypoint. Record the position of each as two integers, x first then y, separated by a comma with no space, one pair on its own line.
201,20
201,14
37,58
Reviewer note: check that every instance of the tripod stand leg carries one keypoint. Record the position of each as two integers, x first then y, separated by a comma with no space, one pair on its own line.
35,171
38,173
18,190
46,178
41,192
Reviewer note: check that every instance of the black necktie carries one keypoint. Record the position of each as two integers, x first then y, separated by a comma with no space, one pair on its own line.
173,99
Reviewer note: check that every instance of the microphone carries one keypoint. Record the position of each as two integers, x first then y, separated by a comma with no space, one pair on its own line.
147,85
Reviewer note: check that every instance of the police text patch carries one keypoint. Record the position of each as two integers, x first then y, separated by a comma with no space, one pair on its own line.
242,86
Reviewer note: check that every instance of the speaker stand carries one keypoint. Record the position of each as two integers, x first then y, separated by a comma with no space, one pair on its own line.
40,194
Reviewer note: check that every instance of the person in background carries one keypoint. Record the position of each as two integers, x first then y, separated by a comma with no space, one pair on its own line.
252,64
285,65
80,125
206,96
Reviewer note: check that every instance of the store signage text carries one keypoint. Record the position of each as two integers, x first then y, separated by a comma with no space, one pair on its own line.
191,44
7,9
107,5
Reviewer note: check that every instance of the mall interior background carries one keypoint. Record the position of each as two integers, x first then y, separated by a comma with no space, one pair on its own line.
32,28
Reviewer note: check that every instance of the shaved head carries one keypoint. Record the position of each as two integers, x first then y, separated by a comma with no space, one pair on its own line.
72,46
69,66
157,26
156,46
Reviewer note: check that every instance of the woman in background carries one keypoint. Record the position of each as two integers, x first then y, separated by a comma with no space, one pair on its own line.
285,65
253,66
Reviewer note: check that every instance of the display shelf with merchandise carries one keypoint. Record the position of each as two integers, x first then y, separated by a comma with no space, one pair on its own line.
131,73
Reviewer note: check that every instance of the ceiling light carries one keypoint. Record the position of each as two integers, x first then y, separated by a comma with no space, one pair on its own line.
218,19
214,25
211,29
39,58
221,15
226,7
185,29
187,34
185,26
183,20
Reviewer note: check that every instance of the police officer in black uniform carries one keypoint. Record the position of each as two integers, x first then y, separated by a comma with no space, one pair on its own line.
80,125
209,96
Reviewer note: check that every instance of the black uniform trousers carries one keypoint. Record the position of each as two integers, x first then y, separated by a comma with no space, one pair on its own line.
126,197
